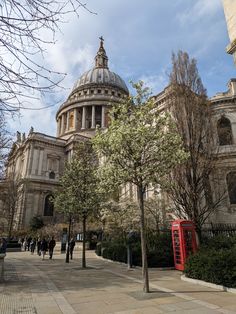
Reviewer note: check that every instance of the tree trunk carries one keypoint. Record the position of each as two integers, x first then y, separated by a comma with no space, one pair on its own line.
198,234
68,242
143,241
10,225
84,243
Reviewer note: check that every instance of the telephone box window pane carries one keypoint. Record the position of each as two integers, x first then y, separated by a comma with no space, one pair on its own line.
177,247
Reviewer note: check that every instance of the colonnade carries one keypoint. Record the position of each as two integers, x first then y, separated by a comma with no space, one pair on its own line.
75,119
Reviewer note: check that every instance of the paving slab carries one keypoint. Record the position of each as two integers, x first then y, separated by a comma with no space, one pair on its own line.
104,287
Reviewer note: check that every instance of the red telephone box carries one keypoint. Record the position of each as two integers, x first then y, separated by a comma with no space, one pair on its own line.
183,240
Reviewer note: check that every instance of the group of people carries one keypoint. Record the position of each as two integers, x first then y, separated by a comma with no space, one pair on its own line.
43,245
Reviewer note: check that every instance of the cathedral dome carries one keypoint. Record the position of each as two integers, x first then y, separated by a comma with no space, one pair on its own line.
90,100
100,74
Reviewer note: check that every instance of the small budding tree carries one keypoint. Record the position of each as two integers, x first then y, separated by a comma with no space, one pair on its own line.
78,195
140,146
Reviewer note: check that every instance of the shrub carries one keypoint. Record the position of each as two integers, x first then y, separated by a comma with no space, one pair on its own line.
98,249
115,252
219,242
213,265
159,251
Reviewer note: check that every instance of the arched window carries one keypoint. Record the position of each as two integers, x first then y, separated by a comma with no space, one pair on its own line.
231,184
51,175
48,206
224,131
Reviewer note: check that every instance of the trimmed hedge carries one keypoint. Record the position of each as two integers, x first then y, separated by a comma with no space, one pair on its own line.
159,255
215,262
215,266
219,242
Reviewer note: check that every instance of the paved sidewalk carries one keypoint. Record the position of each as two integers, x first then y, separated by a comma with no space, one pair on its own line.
54,287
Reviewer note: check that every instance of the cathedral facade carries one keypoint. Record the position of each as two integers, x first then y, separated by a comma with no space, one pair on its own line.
38,160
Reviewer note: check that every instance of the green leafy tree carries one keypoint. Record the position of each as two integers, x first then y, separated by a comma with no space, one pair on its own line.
78,195
140,146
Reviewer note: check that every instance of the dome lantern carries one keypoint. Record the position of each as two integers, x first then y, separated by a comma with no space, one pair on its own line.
101,59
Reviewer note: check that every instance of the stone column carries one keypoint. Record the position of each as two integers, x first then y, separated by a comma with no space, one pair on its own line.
62,123
83,117
103,117
58,127
67,120
76,119
93,117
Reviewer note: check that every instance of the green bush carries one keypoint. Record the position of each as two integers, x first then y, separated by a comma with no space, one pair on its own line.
219,242
159,251
115,252
160,254
98,249
213,265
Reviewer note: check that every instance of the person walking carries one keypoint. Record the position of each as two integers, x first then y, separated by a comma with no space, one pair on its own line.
51,245
3,245
25,245
28,242
71,247
32,246
39,246
44,247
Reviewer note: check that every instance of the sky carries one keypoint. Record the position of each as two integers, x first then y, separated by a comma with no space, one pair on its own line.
140,37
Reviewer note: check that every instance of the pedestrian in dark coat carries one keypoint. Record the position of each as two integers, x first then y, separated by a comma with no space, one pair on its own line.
3,246
51,245
71,247
44,247
28,243
32,246
39,246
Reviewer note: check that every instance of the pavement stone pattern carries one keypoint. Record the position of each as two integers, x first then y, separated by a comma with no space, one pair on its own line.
32,285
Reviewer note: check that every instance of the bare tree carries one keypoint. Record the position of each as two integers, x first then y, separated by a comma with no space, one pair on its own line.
5,144
191,181
26,28
10,196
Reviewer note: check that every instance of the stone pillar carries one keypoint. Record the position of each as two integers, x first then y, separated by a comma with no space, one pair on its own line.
76,119
67,120
58,126
62,123
103,117
93,117
83,117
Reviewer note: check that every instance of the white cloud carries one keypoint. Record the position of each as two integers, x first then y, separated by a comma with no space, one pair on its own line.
41,120
200,10
156,83
139,39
